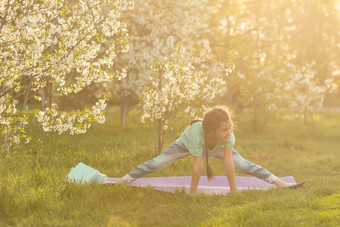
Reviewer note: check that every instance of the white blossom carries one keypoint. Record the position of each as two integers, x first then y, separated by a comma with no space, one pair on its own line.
269,88
158,26
48,41
177,86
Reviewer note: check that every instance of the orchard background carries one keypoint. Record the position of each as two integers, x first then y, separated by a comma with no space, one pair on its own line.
130,75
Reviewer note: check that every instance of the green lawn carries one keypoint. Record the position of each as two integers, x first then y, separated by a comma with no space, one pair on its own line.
33,193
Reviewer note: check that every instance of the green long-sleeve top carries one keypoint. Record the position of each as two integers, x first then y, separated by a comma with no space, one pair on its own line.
193,139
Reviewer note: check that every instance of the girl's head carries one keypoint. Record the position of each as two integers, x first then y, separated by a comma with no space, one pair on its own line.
217,125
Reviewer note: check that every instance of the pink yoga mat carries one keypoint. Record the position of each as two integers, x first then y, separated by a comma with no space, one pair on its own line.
220,184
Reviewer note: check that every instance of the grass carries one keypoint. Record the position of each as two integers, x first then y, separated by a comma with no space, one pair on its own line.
33,193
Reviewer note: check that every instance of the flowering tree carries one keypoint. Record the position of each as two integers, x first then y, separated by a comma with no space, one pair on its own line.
61,43
303,92
177,86
258,82
271,84
281,30
156,28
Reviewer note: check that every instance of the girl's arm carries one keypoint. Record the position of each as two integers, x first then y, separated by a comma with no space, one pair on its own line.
228,165
196,174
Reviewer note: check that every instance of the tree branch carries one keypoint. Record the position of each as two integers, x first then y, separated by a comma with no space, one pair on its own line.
3,20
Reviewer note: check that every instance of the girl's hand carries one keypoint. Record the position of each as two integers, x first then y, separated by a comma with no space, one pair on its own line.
233,190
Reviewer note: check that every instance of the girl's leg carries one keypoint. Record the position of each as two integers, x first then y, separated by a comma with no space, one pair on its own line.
174,152
245,166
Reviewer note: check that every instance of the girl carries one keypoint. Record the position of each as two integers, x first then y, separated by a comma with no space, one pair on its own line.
211,137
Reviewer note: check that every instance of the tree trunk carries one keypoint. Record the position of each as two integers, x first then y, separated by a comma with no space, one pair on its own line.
46,95
156,135
159,136
6,143
255,120
305,116
158,122
45,98
124,108
312,118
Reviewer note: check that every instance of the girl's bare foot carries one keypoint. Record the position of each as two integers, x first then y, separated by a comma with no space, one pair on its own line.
282,184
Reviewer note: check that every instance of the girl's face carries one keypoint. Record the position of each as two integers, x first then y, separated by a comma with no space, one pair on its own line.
223,133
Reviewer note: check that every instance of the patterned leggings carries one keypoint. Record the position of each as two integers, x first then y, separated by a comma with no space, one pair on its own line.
177,151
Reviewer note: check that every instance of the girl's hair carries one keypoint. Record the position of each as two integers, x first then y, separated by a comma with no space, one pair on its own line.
211,123
194,121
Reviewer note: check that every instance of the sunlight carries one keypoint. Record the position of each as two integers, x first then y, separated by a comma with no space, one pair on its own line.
337,6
